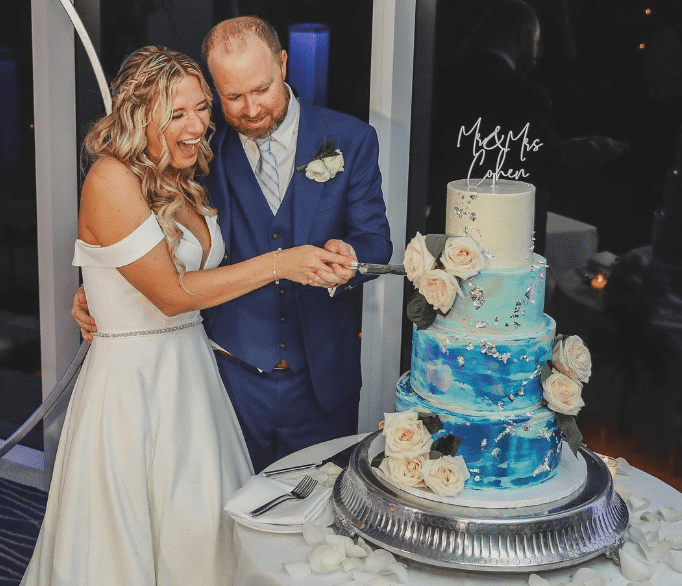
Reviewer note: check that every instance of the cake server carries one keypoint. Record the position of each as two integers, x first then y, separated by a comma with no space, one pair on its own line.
341,459
367,268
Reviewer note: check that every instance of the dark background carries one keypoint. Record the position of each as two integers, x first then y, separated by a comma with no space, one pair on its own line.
610,82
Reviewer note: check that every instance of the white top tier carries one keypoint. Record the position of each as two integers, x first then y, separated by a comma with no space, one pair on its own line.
499,218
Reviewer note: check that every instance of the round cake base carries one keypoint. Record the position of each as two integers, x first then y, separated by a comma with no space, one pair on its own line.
570,475
565,531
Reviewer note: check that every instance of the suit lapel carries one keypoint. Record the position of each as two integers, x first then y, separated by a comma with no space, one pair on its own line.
307,193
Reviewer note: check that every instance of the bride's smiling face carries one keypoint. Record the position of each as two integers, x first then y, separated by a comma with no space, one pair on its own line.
189,120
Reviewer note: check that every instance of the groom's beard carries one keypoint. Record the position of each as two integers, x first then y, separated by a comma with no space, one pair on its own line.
276,119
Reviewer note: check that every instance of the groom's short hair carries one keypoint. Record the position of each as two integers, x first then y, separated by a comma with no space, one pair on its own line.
232,35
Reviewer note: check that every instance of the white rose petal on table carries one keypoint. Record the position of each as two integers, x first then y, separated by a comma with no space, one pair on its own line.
671,514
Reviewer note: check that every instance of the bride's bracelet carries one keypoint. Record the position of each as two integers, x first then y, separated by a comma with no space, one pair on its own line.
274,266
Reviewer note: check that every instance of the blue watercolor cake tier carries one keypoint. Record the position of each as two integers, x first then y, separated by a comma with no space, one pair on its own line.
512,449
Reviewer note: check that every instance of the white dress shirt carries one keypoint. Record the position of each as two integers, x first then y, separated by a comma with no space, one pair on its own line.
282,144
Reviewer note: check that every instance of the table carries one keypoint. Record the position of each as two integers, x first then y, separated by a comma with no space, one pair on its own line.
260,555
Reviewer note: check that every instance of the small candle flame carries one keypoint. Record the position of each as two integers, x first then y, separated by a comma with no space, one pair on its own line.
599,281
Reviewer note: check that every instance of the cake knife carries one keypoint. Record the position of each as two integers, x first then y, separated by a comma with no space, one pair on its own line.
367,268
341,459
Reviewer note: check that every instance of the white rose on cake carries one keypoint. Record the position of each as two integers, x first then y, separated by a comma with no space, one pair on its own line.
406,436
571,357
407,471
439,289
462,257
445,476
562,393
418,260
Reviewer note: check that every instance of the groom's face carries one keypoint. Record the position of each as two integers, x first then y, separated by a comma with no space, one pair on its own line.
250,83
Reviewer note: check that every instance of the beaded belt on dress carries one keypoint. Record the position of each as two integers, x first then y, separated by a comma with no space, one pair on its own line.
190,324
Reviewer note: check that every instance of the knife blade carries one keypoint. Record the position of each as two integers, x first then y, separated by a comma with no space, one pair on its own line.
341,459
367,268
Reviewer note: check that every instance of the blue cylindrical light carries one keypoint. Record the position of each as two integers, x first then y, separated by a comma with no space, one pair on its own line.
308,63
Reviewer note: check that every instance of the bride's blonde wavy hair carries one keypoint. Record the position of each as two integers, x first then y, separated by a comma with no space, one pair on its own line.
148,79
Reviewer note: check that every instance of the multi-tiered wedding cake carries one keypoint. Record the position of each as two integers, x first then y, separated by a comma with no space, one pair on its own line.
484,353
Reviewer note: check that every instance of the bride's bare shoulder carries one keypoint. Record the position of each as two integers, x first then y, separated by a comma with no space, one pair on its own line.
112,204
109,172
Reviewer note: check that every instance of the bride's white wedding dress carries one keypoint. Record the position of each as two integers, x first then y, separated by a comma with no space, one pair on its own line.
151,448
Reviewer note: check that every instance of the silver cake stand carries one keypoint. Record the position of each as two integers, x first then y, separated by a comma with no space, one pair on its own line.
589,522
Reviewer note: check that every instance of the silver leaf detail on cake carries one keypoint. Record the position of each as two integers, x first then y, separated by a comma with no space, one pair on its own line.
477,297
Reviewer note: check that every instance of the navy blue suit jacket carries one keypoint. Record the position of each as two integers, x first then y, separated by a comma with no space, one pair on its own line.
349,207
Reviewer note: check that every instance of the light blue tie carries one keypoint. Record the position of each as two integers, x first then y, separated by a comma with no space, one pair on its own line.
266,171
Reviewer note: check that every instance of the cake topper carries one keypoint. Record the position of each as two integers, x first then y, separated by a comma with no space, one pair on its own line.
500,143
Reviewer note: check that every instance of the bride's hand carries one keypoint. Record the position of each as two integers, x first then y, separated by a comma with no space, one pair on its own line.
81,315
302,264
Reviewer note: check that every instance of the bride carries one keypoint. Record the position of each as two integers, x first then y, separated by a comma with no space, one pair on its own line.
151,449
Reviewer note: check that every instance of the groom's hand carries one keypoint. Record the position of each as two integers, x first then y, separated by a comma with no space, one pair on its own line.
81,315
338,274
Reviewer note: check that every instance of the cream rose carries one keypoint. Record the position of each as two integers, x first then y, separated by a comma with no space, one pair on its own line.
446,475
439,289
334,163
418,259
407,471
572,358
462,257
562,393
317,171
406,436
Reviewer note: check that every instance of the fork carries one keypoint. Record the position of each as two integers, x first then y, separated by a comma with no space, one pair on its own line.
302,490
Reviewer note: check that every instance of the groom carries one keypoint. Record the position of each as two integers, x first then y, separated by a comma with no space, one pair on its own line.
290,354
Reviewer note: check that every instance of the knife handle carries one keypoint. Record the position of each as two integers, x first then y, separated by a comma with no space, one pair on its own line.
289,470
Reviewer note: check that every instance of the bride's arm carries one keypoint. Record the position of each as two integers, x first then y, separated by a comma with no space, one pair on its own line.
112,207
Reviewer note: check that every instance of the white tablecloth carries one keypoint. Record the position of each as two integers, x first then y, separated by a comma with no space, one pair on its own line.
260,555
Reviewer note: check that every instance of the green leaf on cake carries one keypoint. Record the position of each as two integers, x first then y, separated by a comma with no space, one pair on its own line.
431,422
447,445
435,454
569,428
435,244
420,312
378,459
546,371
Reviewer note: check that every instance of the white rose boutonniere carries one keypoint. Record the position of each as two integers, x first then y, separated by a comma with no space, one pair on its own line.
445,476
418,259
572,358
562,393
324,164
406,436
462,257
